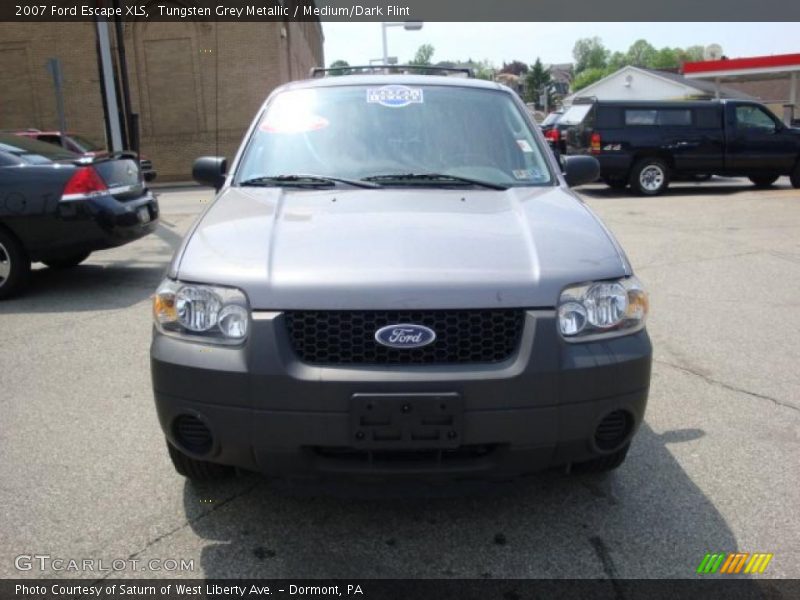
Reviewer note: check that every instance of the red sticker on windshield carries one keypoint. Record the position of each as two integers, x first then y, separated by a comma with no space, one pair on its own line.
295,124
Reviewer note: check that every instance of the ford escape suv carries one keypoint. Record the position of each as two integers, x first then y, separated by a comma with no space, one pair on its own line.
395,280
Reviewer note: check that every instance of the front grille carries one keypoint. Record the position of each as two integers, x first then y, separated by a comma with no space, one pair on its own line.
348,337
405,457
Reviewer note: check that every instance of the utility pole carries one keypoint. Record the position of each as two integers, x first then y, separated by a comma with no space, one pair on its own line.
54,66
132,137
109,89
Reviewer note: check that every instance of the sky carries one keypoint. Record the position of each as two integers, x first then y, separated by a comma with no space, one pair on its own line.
357,43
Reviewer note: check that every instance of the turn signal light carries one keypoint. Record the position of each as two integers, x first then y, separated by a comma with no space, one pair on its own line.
594,143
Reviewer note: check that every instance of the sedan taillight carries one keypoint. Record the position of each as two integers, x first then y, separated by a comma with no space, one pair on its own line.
84,184
554,135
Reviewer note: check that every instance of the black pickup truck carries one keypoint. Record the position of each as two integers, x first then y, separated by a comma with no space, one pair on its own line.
646,144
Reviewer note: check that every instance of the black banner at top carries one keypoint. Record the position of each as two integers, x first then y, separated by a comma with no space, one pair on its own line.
401,10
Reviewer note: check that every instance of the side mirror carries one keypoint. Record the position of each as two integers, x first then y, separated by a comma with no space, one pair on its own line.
210,171
580,169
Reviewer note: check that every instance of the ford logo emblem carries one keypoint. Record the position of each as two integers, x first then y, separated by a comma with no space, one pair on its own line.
405,335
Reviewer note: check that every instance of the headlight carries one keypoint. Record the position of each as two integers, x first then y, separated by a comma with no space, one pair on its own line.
213,314
602,309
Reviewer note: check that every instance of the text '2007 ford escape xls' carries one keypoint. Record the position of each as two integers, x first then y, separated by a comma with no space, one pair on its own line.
395,280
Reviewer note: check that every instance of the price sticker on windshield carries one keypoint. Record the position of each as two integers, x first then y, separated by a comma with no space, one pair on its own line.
394,96
524,146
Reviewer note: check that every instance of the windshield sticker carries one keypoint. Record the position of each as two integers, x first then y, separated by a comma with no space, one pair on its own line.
394,96
525,174
524,146
294,124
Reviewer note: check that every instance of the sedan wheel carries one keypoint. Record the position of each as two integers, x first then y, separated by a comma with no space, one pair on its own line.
14,265
5,264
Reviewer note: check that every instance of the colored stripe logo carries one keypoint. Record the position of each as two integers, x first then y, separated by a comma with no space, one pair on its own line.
734,563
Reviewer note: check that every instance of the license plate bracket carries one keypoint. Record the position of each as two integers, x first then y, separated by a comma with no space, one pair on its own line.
143,214
406,421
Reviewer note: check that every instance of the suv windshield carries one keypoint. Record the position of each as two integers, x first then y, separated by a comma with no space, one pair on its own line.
430,135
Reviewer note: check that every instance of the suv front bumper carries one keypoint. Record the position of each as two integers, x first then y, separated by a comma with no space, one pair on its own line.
269,412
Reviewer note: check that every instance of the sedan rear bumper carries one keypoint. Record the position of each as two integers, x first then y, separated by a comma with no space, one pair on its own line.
98,223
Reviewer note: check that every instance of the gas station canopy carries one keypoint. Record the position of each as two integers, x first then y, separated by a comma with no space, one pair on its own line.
754,68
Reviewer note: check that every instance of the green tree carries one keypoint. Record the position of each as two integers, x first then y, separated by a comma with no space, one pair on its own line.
666,58
338,64
423,56
537,78
483,69
617,60
641,54
589,53
515,67
587,77
693,54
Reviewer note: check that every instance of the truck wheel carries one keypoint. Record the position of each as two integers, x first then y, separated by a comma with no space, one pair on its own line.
67,262
615,183
197,470
605,463
701,177
795,176
15,266
763,181
650,177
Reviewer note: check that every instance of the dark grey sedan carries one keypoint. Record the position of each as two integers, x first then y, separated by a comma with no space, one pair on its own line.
57,207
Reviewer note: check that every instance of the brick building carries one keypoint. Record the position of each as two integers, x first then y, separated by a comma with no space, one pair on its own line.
195,85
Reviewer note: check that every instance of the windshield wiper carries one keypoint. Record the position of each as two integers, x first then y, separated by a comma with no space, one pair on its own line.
434,178
306,181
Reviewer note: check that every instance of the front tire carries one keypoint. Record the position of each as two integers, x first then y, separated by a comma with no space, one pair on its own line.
614,183
15,266
67,262
795,176
650,177
763,181
197,470
606,463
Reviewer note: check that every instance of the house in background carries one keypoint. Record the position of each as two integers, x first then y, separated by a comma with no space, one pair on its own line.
561,77
636,83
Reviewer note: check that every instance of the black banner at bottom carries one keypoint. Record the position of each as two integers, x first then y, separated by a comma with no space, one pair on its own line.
399,589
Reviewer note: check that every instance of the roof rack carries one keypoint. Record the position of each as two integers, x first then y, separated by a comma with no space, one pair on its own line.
389,69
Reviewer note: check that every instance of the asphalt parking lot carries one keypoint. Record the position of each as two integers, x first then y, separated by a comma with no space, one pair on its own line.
85,474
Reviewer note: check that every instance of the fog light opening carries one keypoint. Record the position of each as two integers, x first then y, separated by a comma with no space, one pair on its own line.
613,430
192,434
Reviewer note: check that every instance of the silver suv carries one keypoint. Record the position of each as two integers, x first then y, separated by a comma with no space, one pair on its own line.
396,280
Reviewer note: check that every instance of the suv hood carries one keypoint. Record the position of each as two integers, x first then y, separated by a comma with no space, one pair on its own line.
398,248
